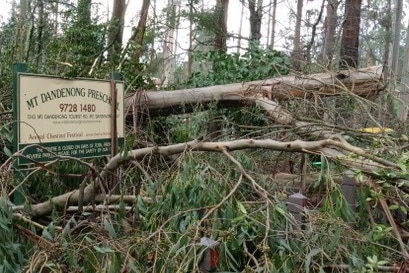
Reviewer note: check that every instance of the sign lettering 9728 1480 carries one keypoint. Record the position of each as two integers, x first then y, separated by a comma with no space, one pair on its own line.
69,117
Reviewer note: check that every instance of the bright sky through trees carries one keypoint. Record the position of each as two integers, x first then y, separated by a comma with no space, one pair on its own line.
235,7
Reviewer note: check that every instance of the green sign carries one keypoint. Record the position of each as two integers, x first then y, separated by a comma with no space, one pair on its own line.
66,117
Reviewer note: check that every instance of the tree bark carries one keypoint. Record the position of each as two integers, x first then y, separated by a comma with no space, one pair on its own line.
139,32
190,51
363,82
273,24
256,15
296,56
394,62
403,108
240,29
330,29
350,35
42,23
20,33
396,40
116,29
168,44
222,8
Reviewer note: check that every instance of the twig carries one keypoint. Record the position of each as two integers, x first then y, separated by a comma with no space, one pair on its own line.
391,221
98,208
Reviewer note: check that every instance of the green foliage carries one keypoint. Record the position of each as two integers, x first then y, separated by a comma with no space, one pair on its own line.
194,195
81,44
57,179
11,251
223,68
207,196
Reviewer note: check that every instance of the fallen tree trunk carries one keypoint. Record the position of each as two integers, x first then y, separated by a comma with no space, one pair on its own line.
334,149
366,82
261,93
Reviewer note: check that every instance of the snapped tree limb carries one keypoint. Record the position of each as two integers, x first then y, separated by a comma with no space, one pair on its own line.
331,148
365,82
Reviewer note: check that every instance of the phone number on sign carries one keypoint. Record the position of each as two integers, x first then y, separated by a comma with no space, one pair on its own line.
73,107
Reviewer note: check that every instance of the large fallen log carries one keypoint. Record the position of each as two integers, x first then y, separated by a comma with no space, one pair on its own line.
366,82
333,149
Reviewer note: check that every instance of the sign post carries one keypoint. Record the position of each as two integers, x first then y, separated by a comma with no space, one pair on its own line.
54,117
18,196
69,117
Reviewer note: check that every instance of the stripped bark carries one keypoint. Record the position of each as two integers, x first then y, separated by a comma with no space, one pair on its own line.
366,82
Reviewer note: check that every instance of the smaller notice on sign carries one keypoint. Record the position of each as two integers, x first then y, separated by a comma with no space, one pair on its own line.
70,117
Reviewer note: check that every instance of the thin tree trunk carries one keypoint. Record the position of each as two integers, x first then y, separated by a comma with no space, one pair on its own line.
139,32
313,33
403,109
55,14
190,51
256,16
176,28
152,50
297,59
28,42
330,29
240,28
396,37
273,24
169,45
40,30
394,64
269,24
386,23
116,29
222,8
20,33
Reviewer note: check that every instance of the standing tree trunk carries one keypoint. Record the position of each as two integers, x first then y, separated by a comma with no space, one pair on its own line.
40,30
404,109
168,43
386,23
273,24
330,28
55,7
396,39
116,29
394,62
349,57
190,51
139,32
21,30
20,34
256,16
240,28
30,26
350,35
222,8
296,56
391,72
